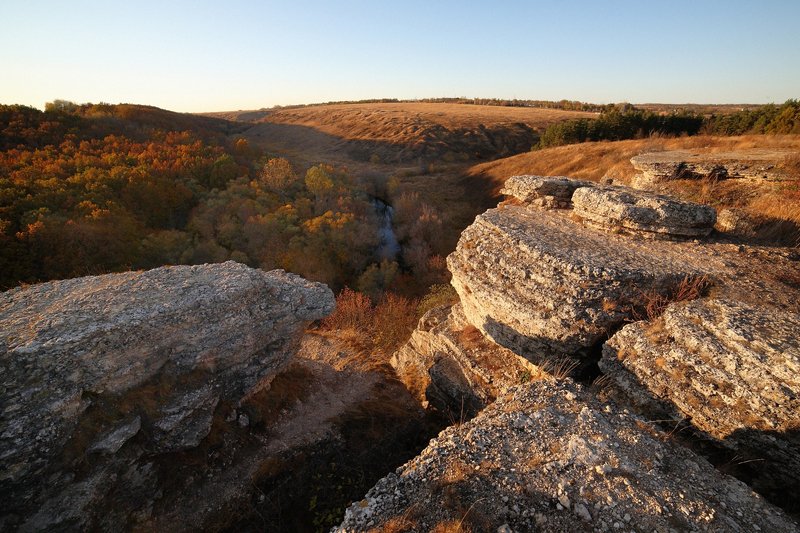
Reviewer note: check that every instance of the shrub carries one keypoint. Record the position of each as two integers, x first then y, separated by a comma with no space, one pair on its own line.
353,311
385,325
438,295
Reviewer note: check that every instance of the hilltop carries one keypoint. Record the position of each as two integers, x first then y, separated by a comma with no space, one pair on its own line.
402,132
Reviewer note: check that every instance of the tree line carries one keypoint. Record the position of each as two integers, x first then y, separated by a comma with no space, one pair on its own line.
625,121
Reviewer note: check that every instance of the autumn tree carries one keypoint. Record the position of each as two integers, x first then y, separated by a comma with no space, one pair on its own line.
277,174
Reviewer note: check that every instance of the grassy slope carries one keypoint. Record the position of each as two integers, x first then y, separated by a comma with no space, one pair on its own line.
398,133
403,122
594,161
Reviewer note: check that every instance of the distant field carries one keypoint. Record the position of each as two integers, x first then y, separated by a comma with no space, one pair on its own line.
450,116
397,133
402,121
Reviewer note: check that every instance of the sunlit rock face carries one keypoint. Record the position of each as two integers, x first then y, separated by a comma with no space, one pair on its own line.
543,191
542,284
98,371
729,368
645,214
547,456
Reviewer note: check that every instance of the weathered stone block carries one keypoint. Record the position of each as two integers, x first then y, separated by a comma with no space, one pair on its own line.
543,191
643,213
730,368
541,284
89,364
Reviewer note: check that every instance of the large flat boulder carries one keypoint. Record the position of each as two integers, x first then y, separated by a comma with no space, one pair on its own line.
547,456
756,164
543,191
646,214
96,370
731,369
541,284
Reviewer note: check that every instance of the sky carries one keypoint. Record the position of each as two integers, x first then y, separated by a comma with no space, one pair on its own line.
214,56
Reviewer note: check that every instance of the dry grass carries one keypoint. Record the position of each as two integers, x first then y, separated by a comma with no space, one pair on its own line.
774,206
560,368
402,122
450,526
596,160
655,301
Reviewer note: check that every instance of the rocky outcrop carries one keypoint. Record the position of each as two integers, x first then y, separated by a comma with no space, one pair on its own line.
448,364
548,457
551,285
735,221
623,209
543,191
658,167
325,431
100,374
541,284
729,368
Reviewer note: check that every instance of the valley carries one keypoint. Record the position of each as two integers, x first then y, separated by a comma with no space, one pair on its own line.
459,307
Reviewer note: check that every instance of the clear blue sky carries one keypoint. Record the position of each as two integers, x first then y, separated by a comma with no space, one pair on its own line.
208,56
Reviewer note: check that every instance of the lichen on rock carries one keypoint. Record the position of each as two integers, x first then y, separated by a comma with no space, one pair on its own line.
542,285
89,365
547,456
729,368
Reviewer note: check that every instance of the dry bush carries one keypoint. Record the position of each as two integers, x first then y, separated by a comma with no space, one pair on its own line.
654,302
394,319
353,311
383,326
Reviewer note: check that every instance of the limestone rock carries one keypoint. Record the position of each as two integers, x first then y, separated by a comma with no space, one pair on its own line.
93,363
543,191
730,368
540,284
448,363
549,457
657,167
643,213
736,221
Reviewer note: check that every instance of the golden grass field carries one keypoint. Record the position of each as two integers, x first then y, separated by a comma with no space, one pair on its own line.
367,136
404,122
596,160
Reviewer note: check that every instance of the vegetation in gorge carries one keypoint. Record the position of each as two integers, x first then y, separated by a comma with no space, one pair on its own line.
87,189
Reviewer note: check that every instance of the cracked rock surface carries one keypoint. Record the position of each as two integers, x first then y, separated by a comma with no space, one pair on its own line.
541,284
646,214
732,369
549,457
543,191
98,367
448,363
